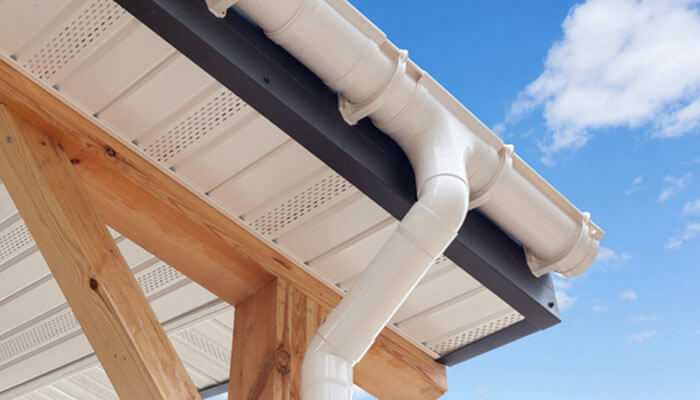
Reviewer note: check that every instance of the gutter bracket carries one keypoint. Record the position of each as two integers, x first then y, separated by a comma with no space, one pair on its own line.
506,162
575,259
220,7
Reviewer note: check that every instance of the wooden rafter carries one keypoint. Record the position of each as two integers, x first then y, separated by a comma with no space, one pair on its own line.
87,265
151,208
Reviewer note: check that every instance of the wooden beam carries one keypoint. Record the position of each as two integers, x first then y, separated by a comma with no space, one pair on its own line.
86,263
271,333
149,207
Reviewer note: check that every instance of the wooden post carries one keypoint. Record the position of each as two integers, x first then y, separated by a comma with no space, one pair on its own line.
84,260
271,331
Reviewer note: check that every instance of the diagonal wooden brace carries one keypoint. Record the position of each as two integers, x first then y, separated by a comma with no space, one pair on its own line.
83,258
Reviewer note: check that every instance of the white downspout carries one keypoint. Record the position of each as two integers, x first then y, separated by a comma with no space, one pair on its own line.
373,81
423,234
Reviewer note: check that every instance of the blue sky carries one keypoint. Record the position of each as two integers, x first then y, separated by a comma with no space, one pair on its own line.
606,105
602,97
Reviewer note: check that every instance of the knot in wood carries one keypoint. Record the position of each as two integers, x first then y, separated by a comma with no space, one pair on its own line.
282,361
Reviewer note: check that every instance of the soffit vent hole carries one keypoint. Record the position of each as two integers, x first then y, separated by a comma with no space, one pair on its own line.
479,332
38,335
311,198
75,36
158,278
205,345
440,260
195,126
14,241
59,325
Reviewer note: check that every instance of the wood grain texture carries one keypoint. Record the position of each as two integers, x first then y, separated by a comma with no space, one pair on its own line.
271,333
85,262
170,221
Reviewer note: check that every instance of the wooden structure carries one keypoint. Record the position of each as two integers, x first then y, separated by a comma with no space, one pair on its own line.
150,208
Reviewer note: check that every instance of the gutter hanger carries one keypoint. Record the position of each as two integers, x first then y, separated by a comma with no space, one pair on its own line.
453,160
220,7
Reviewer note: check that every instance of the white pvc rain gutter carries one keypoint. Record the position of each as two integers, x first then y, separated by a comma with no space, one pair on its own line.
459,165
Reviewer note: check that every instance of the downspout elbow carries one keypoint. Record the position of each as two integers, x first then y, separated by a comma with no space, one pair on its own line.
439,155
446,198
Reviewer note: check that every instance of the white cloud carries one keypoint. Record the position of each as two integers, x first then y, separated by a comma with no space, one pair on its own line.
629,295
642,336
620,63
564,299
609,256
606,254
636,185
562,291
691,231
691,207
673,186
680,122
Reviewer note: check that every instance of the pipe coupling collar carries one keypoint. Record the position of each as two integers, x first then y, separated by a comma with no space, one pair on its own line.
353,113
306,6
326,376
506,163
